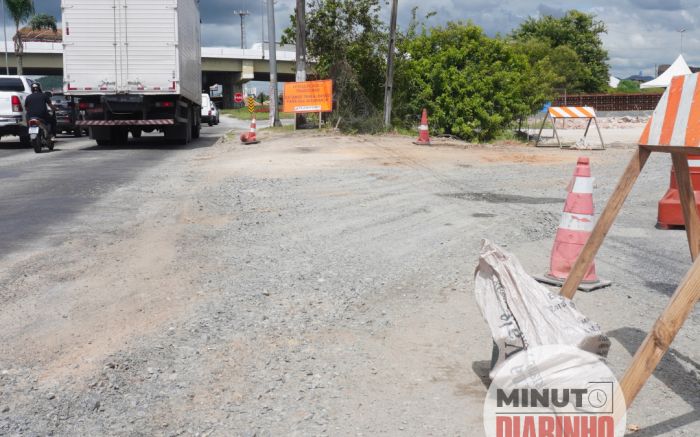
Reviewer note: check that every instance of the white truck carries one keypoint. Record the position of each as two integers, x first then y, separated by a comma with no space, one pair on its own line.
13,91
135,66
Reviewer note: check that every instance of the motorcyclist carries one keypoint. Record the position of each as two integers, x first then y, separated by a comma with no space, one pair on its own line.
36,105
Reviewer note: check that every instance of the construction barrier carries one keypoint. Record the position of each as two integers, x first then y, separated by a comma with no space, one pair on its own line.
251,136
574,229
673,129
565,112
423,130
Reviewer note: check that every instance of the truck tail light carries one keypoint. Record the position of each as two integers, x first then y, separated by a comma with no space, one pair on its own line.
85,105
16,104
165,104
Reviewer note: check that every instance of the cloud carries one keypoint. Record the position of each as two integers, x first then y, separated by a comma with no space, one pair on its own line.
548,10
641,33
666,5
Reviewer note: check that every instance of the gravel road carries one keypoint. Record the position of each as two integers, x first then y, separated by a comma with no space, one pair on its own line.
313,284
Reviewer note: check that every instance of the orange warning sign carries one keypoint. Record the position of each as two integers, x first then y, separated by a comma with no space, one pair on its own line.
312,96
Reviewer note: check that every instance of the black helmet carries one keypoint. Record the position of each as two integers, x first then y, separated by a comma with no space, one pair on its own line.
36,88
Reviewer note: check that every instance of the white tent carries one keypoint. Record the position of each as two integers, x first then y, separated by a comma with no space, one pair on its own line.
613,82
678,68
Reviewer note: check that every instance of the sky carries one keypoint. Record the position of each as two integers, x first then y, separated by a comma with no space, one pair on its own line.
641,33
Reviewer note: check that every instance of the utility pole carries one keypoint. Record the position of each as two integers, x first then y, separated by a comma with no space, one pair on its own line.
242,14
681,31
301,50
389,85
274,114
262,26
4,29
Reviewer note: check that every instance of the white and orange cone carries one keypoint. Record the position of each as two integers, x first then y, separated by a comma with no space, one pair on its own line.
574,229
423,131
251,136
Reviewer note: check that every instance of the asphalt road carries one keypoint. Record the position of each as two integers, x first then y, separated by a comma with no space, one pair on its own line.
37,191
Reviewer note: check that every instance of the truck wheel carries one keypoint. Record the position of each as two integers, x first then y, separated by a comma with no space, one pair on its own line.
136,133
196,130
119,137
190,126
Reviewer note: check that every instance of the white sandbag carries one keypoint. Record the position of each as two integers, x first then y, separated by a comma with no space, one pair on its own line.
523,313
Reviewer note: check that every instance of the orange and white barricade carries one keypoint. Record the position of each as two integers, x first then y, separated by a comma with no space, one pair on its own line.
676,122
572,112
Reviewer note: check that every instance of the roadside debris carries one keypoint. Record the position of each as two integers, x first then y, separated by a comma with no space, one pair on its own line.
522,313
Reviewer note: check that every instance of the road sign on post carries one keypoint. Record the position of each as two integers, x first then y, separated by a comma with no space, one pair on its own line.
313,96
251,104
238,98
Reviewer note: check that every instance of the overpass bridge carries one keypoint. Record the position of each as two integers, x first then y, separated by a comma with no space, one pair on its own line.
230,67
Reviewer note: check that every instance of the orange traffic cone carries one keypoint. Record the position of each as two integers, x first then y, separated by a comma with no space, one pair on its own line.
574,229
250,137
423,134
670,214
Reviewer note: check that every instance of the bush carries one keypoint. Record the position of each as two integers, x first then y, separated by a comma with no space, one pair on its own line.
473,86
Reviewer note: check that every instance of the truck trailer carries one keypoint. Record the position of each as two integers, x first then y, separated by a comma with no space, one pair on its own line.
135,66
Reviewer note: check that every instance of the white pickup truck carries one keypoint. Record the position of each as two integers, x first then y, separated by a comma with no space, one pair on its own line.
13,91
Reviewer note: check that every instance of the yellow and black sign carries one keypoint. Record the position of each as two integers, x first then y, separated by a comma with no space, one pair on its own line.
251,104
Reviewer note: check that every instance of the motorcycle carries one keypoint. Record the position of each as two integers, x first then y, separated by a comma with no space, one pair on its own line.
39,134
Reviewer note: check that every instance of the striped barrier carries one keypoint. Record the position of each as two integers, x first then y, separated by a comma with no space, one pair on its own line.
676,123
673,129
571,112
676,120
163,122
575,112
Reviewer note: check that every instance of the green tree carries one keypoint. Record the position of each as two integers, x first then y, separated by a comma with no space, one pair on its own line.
473,86
347,39
20,11
43,21
575,32
628,86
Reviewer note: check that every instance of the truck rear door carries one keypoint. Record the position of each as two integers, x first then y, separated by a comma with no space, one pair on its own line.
149,45
120,45
91,50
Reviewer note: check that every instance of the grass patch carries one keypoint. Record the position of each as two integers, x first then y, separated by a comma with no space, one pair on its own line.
244,114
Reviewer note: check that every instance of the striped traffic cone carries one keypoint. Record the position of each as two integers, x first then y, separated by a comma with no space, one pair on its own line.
423,134
251,136
574,229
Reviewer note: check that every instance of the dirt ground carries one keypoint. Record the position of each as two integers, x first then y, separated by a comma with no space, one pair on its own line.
317,284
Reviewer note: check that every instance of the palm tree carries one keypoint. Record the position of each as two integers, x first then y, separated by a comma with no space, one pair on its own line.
20,10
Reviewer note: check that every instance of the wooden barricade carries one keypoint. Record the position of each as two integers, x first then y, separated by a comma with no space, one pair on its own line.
565,112
674,128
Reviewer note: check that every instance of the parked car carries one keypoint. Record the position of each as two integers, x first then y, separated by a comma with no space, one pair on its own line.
210,113
13,91
66,115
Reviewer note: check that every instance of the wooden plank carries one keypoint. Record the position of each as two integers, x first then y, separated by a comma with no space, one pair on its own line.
600,135
554,128
687,198
673,149
657,342
624,186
